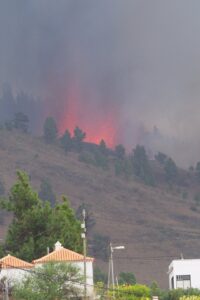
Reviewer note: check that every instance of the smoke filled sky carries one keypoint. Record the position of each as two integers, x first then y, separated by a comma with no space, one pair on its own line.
115,67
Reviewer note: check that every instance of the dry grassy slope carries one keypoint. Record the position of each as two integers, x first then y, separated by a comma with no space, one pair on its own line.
150,222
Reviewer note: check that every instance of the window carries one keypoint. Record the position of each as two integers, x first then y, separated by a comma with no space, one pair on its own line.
183,281
172,283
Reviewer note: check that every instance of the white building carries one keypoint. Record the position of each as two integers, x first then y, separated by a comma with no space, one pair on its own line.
61,254
184,273
13,269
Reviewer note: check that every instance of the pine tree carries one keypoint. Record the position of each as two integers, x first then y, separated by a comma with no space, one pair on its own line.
120,151
78,138
141,166
21,122
50,130
66,141
36,225
171,170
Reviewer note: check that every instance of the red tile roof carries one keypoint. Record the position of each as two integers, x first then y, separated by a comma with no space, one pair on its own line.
9,262
62,254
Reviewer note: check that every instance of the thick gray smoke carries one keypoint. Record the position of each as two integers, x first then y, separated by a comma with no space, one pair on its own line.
142,57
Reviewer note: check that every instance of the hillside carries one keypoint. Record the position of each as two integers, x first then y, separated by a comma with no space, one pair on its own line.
154,223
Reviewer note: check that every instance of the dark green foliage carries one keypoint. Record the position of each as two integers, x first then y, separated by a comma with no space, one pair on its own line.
127,278
101,159
66,141
46,193
21,122
11,103
50,130
2,188
100,247
197,169
78,138
35,225
102,147
155,290
120,151
171,170
176,294
161,157
141,166
96,158
124,168
128,170
119,168
79,135
100,276
49,282
89,218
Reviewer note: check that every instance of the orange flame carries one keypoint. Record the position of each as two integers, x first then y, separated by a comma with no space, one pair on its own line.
96,123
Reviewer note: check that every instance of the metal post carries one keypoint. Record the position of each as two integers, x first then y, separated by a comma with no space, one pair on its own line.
108,284
84,253
112,269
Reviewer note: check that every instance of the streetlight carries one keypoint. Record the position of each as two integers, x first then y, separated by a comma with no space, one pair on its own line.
111,265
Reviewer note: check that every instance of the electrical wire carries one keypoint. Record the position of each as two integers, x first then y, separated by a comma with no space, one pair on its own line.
104,288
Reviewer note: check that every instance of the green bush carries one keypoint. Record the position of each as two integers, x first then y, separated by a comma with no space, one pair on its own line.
133,292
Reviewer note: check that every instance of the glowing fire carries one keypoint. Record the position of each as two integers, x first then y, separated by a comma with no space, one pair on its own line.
97,123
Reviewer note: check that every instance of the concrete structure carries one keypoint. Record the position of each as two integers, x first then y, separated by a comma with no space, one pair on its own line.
61,254
13,270
184,273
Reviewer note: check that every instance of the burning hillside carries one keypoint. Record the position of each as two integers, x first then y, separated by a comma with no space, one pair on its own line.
99,122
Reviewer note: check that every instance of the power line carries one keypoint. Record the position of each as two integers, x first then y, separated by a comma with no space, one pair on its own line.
146,258
132,224
104,288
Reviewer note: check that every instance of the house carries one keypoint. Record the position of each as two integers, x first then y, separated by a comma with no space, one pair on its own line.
184,273
13,269
61,254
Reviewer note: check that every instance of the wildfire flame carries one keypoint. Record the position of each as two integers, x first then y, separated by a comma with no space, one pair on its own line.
96,122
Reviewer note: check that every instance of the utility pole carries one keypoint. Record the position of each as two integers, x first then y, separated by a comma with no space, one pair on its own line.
111,267
83,235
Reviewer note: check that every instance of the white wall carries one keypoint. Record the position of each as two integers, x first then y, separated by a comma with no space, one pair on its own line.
185,267
89,275
14,275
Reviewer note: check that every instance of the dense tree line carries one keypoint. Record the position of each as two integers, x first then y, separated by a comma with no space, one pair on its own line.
133,165
36,225
21,102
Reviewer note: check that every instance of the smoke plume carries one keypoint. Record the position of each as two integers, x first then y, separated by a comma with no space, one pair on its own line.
115,68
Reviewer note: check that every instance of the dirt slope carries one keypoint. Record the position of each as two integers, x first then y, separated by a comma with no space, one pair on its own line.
154,223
